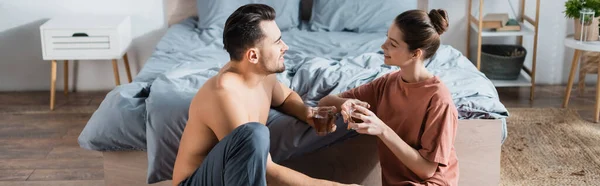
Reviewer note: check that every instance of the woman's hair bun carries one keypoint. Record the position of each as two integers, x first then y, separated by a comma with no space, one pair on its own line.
439,20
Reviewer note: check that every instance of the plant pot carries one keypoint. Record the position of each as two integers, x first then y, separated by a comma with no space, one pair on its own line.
593,32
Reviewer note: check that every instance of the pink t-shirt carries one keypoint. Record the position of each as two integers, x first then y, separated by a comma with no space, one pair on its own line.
423,115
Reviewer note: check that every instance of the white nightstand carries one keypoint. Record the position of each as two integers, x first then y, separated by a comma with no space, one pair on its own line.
85,38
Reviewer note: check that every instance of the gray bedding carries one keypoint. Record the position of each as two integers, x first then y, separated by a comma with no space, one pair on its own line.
150,113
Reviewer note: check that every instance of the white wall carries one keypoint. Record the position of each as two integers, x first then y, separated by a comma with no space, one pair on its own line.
21,64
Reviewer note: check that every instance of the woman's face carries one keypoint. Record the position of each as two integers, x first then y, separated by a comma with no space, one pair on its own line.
395,50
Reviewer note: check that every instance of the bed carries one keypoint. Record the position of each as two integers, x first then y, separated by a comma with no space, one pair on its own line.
138,125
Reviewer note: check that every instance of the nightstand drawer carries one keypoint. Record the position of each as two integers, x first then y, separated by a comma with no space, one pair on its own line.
85,37
81,43
80,39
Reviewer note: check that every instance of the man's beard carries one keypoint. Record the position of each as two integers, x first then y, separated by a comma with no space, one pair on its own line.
273,69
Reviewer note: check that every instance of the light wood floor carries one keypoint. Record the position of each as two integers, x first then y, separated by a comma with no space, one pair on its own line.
39,147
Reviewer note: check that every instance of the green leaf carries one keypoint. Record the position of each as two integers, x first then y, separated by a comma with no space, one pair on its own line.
572,7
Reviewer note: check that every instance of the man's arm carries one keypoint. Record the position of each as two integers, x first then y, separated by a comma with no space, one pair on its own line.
193,147
287,101
276,174
333,100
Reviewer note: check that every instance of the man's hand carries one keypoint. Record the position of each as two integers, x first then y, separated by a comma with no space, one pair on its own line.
312,111
309,117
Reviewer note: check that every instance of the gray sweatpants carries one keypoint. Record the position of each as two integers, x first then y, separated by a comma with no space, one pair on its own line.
240,158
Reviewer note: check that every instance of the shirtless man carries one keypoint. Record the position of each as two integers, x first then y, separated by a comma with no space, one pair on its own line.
225,141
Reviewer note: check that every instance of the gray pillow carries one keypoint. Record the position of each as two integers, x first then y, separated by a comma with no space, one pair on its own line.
212,14
357,15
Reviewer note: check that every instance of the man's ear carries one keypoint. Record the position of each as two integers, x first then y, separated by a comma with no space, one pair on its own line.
252,55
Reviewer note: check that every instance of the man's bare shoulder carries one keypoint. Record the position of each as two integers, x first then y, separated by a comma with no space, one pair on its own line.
227,87
227,82
217,87
218,93
217,104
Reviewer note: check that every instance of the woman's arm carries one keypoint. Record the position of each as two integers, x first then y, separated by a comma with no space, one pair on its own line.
366,95
333,100
343,105
422,167
409,156
437,140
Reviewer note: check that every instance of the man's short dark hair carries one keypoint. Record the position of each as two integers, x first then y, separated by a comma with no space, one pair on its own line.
242,28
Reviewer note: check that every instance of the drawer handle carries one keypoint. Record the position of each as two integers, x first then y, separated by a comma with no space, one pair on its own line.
80,35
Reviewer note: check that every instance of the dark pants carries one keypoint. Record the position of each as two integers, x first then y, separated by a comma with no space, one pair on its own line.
238,159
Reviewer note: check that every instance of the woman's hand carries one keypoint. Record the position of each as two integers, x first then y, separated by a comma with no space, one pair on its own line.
371,124
347,107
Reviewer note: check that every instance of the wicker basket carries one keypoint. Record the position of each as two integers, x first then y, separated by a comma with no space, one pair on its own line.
502,62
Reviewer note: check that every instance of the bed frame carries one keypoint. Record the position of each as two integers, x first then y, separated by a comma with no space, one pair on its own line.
477,144
477,147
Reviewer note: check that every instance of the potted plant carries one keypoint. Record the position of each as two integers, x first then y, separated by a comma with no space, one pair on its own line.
573,9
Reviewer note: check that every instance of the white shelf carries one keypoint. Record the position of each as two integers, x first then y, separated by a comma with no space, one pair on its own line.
488,33
523,81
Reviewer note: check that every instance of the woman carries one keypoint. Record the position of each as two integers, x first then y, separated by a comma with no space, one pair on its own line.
410,110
